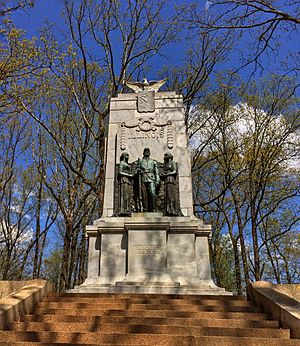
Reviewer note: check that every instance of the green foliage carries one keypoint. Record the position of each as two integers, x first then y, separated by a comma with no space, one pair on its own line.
51,268
223,265
246,170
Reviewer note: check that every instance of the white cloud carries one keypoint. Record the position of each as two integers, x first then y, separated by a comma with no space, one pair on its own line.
241,124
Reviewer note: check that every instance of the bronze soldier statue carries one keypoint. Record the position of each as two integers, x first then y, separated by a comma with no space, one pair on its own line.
149,181
169,176
125,178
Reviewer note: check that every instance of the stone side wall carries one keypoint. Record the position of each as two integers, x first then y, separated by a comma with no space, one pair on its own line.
282,307
22,301
292,290
7,287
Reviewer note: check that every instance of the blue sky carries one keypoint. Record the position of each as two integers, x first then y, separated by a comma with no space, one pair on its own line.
51,11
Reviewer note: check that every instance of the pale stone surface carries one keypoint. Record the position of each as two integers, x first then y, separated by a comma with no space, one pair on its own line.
184,169
94,256
22,302
185,201
162,101
174,114
108,197
185,184
281,306
183,267
113,257
111,141
110,173
147,253
150,289
114,128
110,163
202,256
180,128
7,287
117,117
181,140
291,290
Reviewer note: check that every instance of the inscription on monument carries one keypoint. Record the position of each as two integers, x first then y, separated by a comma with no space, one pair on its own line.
134,134
146,128
147,249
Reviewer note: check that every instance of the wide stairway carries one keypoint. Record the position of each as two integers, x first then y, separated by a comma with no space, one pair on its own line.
144,319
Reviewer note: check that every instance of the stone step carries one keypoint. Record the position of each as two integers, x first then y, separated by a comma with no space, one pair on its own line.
146,319
22,343
144,296
155,313
109,328
209,341
174,301
136,306
97,320
20,338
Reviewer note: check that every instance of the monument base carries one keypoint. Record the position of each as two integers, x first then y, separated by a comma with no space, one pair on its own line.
156,288
149,253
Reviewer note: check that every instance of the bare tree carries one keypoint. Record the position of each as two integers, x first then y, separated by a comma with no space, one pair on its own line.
265,20
204,53
6,8
15,203
67,96
244,172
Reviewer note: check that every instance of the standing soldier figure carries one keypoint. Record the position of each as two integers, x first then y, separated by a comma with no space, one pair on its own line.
125,178
150,181
169,176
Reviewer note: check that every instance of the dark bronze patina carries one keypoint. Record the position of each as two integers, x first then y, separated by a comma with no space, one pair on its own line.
169,177
146,185
125,179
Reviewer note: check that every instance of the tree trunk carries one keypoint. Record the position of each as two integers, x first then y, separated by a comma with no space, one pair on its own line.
37,232
64,270
257,273
242,241
237,266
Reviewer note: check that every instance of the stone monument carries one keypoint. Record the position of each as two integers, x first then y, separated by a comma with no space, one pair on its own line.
148,239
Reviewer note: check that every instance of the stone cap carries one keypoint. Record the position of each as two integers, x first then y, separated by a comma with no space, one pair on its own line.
23,301
281,306
177,224
159,94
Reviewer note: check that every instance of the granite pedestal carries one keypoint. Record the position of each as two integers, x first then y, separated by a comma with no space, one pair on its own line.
149,253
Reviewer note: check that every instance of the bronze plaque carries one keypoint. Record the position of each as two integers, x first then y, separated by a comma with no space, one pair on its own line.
146,101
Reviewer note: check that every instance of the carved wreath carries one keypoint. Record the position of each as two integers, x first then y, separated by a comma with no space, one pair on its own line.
146,125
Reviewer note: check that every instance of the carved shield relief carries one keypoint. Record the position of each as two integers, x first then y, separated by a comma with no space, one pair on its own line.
146,101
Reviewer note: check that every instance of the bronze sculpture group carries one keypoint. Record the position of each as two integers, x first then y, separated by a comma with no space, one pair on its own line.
140,183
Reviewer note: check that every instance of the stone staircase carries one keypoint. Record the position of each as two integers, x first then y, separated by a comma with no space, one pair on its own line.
145,319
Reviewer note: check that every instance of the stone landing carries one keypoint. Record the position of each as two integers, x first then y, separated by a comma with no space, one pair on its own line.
138,288
149,253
